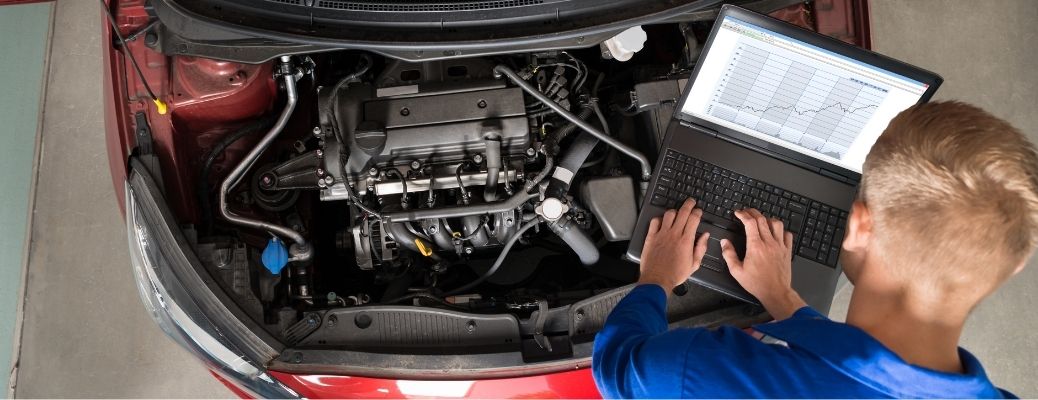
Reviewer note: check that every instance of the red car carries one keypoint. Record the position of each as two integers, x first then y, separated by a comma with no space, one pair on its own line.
331,198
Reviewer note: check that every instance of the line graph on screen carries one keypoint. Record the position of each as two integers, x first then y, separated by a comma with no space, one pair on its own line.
816,108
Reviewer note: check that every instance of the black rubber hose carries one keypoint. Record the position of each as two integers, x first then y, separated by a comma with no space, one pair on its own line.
558,136
570,163
500,258
576,239
204,201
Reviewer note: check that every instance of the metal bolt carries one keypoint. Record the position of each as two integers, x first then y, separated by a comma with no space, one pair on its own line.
405,111
317,132
332,320
432,229
267,180
373,172
151,39
297,357
509,222
320,172
580,314
319,153
471,326
329,180
531,152
478,158
468,250
321,184
482,104
416,164
311,322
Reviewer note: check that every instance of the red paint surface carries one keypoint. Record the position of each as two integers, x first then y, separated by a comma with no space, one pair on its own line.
230,386
207,99
118,131
576,384
847,20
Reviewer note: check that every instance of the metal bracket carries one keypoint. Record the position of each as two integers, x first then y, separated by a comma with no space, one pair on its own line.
538,330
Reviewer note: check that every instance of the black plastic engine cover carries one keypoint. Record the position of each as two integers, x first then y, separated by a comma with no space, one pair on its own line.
448,126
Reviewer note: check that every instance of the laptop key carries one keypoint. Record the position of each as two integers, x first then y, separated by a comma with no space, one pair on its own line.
796,222
807,253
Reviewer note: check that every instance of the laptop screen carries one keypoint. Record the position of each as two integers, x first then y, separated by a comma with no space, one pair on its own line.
796,95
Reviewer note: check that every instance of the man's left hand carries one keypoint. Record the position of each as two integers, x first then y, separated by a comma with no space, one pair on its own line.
671,253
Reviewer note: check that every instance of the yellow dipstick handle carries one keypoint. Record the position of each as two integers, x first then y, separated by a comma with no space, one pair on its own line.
163,109
422,247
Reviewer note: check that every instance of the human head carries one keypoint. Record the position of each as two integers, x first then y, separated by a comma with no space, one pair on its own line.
948,203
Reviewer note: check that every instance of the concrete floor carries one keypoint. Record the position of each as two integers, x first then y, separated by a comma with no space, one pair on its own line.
86,334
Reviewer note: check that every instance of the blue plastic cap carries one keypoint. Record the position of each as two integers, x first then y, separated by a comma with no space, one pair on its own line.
275,256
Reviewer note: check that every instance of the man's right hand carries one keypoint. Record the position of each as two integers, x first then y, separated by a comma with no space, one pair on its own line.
766,270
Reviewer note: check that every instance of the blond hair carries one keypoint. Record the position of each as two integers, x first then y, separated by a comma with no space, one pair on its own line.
953,192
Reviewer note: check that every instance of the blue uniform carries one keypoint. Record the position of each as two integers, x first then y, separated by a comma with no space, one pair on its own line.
811,356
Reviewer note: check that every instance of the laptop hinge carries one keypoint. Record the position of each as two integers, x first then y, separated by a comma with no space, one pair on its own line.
801,164
770,153
837,176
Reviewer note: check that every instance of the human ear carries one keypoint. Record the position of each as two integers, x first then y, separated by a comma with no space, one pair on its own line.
859,228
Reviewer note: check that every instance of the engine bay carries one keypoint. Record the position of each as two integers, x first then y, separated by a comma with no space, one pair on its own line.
440,184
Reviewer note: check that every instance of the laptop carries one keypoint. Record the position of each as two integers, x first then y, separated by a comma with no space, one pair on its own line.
780,119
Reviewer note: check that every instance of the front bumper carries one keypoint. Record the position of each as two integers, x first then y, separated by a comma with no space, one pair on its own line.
181,301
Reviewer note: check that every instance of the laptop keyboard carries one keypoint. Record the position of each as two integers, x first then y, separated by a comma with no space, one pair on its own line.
817,228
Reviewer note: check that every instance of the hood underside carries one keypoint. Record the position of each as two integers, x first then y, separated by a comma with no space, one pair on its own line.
258,30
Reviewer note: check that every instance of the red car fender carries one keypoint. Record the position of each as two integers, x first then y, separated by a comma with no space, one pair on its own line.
577,384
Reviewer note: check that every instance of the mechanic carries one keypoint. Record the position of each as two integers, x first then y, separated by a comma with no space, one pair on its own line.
946,212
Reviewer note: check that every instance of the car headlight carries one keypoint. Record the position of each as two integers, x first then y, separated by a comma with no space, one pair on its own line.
180,302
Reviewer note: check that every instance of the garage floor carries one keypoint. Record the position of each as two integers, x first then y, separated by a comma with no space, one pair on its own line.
85,333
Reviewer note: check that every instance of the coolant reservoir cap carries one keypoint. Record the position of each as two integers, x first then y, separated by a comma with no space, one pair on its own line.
623,46
275,256
551,209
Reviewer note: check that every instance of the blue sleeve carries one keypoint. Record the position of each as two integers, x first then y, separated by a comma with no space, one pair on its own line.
634,355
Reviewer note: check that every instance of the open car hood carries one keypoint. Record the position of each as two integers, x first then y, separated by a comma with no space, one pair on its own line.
258,30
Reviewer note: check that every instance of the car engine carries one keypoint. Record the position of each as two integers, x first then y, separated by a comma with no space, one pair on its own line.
489,185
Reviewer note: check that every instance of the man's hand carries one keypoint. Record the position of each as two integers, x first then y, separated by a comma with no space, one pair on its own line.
766,271
668,257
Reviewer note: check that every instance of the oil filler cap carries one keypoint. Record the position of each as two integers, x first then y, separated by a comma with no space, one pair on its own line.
275,256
